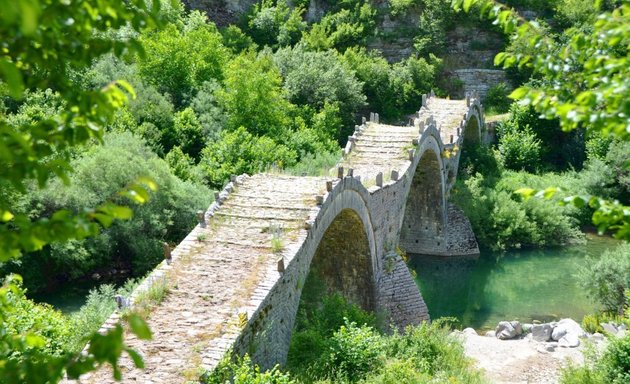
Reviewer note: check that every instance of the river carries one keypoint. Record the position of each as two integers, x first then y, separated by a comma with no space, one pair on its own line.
523,285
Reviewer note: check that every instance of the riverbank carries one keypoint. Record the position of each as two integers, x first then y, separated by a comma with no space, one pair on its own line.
520,360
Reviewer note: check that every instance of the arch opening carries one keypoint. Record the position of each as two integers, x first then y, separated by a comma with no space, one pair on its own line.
423,223
472,134
342,264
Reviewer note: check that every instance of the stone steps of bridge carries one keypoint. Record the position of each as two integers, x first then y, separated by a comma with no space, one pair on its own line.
219,274
389,151
386,141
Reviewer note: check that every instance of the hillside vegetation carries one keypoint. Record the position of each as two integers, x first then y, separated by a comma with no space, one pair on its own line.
149,101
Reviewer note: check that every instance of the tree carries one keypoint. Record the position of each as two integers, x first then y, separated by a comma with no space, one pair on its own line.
253,96
178,61
44,44
584,83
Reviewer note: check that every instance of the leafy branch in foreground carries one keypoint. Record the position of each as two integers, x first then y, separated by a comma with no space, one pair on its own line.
45,44
582,80
30,342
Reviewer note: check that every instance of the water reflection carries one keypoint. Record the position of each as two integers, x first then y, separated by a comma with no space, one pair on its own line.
520,285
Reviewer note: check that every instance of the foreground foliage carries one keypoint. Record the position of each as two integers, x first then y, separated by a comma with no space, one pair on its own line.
581,80
335,341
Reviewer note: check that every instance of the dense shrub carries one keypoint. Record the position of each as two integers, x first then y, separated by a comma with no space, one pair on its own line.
436,18
608,277
253,96
50,329
100,304
189,133
134,245
353,353
177,61
243,371
347,24
615,361
241,152
392,90
501,221
519,148
275,23
208,109
557,150
613,367
318,78
496,100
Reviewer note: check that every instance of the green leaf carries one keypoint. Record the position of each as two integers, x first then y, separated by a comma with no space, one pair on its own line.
139,326
6,216
498,59
105,220
121,212
35,341
549,192
518,93
148,182
126,86
135,356
13,78
468,4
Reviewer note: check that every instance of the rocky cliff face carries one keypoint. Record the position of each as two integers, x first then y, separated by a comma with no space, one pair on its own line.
222,12
467,58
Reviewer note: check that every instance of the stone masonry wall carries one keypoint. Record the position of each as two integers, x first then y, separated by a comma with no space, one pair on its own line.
480,80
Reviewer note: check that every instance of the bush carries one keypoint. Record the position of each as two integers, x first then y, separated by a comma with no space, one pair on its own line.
209,111
501,221
253,96
353,352
189,133
612,367
392,90
318,78
606,279
276,24
134,245
519,148
235,40
497,100
348,24
553,148
177,61
431,349
241,152
615,362
243,371
100,304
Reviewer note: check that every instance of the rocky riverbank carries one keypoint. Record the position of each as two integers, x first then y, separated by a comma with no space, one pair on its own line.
531,353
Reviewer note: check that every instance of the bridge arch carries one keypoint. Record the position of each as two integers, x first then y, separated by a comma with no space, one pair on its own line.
350,256
473,125
424,217
345,256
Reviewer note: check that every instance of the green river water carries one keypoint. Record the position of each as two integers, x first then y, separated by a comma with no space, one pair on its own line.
523,285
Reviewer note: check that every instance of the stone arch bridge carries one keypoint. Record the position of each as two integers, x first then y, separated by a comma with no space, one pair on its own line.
235,281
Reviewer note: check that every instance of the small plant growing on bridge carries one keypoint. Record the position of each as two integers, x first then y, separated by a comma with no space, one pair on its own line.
277,243
147,300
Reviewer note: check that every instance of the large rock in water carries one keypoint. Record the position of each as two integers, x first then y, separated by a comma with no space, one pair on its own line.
541,332
505,330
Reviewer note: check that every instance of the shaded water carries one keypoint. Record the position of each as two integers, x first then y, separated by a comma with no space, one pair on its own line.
519,285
